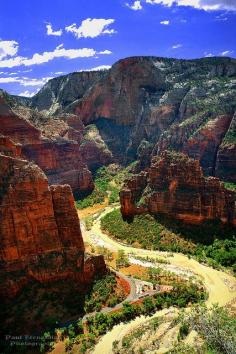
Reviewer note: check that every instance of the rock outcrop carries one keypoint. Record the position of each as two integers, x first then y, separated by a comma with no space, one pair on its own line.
62,91
185,105
174,185
39,230
58,155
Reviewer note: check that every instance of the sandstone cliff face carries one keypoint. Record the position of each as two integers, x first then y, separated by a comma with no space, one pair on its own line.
174,185
60,92
58,156
186,105
226,162
39,230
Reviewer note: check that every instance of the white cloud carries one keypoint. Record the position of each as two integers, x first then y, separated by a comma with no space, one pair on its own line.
91,28
45,57
208,55
99,68
165,22
198,4
50,31
59,73
135,6
28,93
8,48
24,81
226,52
106,52
176,46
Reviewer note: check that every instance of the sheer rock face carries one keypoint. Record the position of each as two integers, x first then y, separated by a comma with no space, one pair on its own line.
39,230
187,105
60,92
59,157
15,127
8,147
226,161
174,185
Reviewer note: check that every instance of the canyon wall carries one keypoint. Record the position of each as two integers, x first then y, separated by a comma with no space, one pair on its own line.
39,230
185,105
57,154
175,186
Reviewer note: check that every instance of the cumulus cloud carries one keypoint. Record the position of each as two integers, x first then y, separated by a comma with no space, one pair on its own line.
135,6
50,31
222,54
106,52
8,49
198,4
208,55
28,93
226,52
59,52
24,81
91,28
98,68
176,46
165,22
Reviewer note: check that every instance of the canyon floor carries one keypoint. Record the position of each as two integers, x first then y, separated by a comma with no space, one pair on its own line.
220,285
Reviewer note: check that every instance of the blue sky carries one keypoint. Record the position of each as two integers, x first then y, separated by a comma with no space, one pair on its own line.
47,38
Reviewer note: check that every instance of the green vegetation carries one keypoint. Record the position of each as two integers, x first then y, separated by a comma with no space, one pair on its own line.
101,323
44,307
215,326
108,181
230,186
230,137
204,242
122,259
103,293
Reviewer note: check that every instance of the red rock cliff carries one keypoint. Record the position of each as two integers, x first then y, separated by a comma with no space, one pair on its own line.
39,229
174,185
60,158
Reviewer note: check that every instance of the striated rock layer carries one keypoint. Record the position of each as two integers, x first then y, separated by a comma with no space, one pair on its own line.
159,103
39,230
174,185
59,156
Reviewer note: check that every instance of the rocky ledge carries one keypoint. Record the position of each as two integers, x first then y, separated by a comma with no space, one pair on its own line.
39,230
174,185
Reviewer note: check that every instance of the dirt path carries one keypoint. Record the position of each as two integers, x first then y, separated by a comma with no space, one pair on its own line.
220,285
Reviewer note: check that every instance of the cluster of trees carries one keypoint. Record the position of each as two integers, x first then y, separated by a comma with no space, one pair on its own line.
182,295
205,242
108,181
103,293
122,259
104,187
215,326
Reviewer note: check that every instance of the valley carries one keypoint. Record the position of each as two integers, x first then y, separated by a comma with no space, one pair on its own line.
118,209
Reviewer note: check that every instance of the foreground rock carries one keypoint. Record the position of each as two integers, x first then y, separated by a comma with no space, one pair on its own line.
174,185
39,230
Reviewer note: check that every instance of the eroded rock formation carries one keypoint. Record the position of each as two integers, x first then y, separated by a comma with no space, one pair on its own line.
55,152
152,102
39,230
174,185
